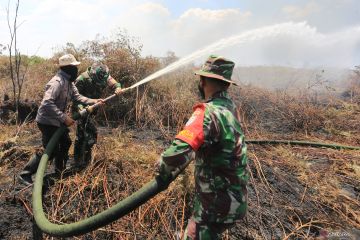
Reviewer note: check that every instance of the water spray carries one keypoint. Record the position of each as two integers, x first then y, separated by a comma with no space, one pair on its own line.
289,28
157,185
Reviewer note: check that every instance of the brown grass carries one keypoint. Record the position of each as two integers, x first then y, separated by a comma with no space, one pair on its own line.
293,192
120,167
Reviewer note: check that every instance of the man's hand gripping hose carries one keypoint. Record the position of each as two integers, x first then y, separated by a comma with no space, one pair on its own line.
88,110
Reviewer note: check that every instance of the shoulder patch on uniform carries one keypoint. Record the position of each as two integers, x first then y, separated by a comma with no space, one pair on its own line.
193,132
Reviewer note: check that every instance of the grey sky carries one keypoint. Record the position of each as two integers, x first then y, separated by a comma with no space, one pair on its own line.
327,32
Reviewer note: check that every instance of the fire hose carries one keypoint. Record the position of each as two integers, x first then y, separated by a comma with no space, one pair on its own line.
127,205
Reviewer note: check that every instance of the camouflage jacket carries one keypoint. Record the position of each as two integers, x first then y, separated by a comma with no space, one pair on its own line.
91,89
221,174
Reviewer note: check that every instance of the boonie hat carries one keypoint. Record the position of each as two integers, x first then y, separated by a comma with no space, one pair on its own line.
68,59
217,67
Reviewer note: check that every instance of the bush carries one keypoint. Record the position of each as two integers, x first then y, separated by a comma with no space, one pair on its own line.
278,111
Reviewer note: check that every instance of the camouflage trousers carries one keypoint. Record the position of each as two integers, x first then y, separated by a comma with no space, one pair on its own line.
205,231
86,137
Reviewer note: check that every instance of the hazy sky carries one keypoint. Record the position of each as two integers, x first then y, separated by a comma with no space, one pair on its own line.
311,33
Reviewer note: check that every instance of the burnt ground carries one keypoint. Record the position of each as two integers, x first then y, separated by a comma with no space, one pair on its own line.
15,221
294,192
288,202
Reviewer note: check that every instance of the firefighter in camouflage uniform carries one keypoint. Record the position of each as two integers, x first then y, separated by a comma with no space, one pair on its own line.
92,84
214,133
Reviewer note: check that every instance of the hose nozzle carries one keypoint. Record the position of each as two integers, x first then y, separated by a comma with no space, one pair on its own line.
84,112
89,109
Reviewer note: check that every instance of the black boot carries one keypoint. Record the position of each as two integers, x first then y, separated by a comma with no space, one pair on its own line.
88,155
25,179
29,169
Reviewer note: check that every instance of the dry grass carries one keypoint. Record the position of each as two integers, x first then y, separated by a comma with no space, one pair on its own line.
165,103
121,167
279,111
293,193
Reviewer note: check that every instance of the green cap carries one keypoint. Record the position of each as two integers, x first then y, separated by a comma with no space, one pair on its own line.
99,73
217,67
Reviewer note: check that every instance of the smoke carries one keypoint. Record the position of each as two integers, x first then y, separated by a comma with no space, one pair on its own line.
299,45
296,44
279,43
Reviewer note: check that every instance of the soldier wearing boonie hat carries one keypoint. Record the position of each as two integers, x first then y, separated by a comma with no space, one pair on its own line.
217,67
214,133
59,91
91,83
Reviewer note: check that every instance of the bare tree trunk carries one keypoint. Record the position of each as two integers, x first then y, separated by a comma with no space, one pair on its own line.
12,30
16,73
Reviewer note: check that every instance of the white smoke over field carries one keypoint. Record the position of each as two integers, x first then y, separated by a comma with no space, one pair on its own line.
300,45
307,47
284,44
297,44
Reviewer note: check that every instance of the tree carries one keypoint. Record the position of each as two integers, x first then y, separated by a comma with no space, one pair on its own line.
352,92
355,85
2,48
17,68
357,71
169,58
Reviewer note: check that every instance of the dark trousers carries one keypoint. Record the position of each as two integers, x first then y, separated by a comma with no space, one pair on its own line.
60,152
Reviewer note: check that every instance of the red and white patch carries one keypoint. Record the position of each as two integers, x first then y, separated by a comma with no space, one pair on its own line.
193,132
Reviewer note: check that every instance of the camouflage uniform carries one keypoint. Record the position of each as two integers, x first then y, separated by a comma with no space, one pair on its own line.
92,84
221,174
